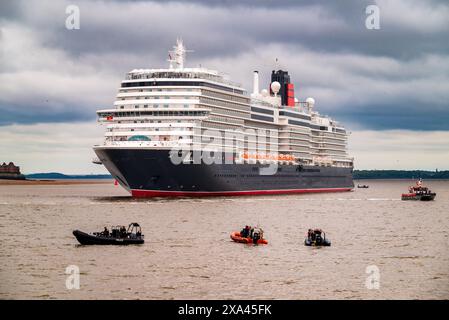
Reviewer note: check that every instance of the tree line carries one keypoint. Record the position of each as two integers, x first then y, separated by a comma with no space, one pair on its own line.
400,174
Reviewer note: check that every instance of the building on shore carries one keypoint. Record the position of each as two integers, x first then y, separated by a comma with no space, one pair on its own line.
10,171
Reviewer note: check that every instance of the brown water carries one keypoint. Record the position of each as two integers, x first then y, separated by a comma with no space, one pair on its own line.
188,253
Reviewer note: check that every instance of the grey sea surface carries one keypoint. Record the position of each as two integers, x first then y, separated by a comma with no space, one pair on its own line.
188,253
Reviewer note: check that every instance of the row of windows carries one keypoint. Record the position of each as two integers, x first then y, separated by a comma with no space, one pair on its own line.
168,97
226,175
214,125
328,136
172,74
263,118
260,110
225,96
150,129
331,150
221,103
187,121
158,90
294,115
228,112
327,143
147,138
179,83
299,136
225,119
137,106
305,124
257,125
152,113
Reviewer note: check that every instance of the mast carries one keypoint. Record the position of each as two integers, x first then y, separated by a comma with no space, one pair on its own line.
177,56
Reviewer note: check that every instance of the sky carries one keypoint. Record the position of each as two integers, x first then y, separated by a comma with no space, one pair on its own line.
388,86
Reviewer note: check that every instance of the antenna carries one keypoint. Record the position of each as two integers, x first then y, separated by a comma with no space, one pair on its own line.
177,56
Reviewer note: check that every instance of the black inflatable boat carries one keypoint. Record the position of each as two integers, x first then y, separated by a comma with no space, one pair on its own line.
119,235
317,237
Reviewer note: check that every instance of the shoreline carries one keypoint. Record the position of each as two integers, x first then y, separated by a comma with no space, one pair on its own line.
37,182
55,181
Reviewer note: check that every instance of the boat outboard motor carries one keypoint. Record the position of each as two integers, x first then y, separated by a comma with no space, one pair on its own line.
318,238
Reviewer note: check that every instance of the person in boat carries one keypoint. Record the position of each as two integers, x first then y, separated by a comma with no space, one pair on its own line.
256,234
251,232
311,235
260,231
255,230
315,235
106,232
318,237
122,232
245,232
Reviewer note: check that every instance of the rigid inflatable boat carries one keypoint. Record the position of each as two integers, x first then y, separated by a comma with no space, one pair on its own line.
119,235
238,238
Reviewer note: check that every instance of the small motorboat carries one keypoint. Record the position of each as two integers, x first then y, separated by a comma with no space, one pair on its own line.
119,235
419,193
316,237
363,186
249,235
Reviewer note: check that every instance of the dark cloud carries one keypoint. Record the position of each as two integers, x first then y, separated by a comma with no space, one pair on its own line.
384,116
229,27
10,9
374,79
15,113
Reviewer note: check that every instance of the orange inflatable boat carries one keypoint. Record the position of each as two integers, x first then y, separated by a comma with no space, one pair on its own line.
237,238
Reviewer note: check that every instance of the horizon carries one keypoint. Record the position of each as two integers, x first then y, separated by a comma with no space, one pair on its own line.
107,173
389,86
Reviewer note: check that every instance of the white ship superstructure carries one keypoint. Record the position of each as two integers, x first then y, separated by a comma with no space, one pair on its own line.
180,107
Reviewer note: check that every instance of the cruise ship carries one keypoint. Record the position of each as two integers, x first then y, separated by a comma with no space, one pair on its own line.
183,131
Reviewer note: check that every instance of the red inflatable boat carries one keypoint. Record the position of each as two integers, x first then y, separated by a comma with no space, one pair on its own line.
237,238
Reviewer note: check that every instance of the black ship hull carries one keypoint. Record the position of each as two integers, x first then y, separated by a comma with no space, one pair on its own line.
151,173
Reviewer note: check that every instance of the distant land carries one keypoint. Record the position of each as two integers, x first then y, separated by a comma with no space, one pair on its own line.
358,174
400,174
56,175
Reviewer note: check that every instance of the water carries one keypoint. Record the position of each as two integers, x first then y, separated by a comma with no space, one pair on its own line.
188,253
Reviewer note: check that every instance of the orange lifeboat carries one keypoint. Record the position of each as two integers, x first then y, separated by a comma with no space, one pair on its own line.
235,236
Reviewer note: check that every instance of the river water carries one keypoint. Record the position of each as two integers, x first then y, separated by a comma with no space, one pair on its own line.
188,253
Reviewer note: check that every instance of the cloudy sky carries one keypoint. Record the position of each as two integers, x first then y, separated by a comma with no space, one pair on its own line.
389,87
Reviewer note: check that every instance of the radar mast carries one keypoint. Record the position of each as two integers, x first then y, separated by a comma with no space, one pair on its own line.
177,56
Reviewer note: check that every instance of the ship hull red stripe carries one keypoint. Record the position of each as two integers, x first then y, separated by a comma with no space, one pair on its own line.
160,193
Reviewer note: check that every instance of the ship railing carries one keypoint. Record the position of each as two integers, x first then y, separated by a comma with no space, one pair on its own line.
165,144
181,75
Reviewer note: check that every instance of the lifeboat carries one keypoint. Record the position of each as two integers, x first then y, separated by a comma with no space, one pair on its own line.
235,236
